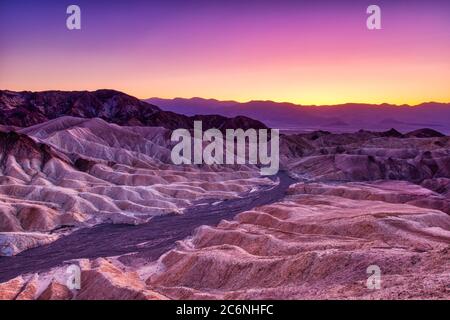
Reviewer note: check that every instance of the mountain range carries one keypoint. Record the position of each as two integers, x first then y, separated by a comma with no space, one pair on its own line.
23,109
348,117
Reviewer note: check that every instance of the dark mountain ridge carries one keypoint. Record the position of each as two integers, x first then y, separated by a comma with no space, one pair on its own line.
24,109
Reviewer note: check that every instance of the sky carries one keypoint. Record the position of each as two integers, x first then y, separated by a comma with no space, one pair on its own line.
305,52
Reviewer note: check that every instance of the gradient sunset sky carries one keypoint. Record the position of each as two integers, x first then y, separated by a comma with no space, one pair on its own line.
306,52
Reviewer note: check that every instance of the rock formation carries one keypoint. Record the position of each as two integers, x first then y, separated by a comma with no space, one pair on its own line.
73,160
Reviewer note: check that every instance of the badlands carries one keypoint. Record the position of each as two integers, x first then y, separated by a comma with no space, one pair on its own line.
86,179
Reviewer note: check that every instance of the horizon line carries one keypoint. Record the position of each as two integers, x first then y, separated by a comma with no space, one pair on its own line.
303,105
298,104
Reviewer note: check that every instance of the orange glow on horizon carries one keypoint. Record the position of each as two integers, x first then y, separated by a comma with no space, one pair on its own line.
291,56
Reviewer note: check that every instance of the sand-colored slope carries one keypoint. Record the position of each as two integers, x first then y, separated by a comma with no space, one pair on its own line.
316,246
76,172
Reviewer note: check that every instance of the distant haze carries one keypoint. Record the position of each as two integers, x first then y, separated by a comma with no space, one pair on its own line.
340,118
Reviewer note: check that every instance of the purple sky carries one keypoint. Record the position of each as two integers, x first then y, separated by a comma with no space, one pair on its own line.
300,51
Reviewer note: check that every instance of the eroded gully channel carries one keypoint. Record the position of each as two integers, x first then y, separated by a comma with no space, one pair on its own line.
148,241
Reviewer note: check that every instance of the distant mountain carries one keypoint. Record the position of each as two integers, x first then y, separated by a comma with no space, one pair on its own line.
193,106
345,117
24,109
